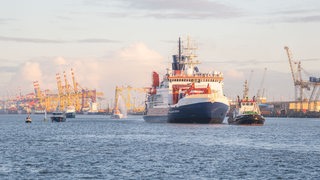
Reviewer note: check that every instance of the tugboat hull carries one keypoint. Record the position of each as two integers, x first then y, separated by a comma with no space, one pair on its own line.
58,119
70,115
247,119
202,113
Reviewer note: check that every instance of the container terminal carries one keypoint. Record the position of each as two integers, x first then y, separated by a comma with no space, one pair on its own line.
83,100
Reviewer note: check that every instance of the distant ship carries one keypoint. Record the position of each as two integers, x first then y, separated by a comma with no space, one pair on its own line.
186,95
58,116
70,112
246,111
116,114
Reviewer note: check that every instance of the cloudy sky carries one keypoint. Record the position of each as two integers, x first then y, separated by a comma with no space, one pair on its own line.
120,42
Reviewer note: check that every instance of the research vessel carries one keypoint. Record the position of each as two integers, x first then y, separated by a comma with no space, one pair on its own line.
186,95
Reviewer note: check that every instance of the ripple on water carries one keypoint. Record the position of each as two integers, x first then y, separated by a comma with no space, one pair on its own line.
93,147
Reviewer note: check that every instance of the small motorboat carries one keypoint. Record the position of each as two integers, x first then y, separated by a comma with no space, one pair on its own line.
28,119
116,114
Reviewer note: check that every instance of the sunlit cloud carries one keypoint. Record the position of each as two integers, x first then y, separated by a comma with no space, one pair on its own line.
131,65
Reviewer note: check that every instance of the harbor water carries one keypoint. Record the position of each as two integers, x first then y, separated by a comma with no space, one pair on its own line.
97,147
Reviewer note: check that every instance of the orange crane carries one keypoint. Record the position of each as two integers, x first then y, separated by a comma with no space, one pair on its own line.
61,96
76,93
38,94
130,97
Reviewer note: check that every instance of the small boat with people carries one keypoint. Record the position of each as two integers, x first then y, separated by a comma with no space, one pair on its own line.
58,116
246,111
28,119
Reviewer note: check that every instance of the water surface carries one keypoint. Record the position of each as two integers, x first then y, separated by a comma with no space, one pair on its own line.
97,147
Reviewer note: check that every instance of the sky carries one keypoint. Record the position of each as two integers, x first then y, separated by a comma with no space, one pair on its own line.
120,42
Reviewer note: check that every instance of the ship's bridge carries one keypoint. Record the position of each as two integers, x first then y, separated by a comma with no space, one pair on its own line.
198,77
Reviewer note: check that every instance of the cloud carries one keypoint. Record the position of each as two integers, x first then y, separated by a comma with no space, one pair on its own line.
168,9
97,40
29,40
6,20
30,71
9,69
295,16
38,40
131,65
187,5
301,19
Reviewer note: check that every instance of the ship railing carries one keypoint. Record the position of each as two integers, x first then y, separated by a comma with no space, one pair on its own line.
197,75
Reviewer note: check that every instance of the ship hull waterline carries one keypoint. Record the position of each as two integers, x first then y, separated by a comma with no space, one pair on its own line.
156,118
247,119
70,115
202,113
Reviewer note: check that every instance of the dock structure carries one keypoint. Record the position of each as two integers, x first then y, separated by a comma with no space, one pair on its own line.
291,109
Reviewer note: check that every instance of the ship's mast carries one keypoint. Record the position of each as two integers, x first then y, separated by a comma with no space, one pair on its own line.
245,90
179,49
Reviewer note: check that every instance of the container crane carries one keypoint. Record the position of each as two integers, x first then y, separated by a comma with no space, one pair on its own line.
38,93
60,92
261,90
299,84
76,93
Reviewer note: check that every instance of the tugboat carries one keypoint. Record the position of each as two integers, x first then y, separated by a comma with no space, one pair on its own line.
28,119
185,94
246,111
58,116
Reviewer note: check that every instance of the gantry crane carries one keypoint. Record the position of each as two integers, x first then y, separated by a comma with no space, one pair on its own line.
125,93
76,92
261,90
39,94
60,92
299,84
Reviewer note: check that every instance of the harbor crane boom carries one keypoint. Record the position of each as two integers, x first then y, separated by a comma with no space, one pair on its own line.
299,84
261,90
